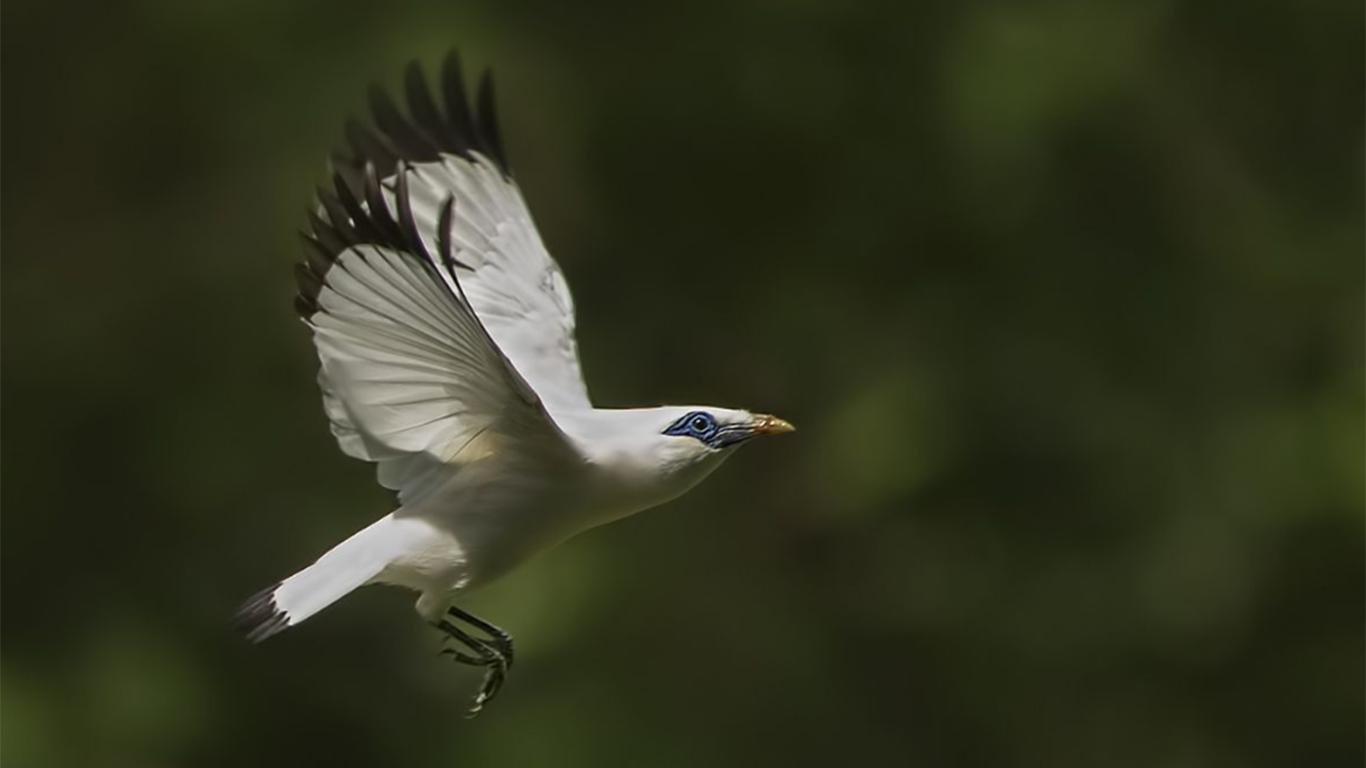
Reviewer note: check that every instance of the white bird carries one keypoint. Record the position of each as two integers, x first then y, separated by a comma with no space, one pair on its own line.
445,333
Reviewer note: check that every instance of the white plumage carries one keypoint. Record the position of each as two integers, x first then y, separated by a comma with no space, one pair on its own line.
445,333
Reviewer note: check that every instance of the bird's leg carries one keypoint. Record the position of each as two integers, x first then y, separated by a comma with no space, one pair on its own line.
487,656
496,635
481,648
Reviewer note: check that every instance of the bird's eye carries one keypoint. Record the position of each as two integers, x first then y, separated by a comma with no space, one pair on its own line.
698,424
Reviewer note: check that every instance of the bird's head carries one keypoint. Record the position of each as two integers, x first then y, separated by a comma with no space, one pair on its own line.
691,434
655,454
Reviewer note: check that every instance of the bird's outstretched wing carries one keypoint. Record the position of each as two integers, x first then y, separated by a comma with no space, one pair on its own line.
513,284
410,377
440,320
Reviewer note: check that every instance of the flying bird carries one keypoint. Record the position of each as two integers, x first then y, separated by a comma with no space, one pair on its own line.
445,334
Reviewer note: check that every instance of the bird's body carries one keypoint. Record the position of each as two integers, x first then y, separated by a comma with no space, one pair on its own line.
445,333
484,520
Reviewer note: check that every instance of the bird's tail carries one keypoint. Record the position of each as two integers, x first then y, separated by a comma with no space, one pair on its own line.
345,567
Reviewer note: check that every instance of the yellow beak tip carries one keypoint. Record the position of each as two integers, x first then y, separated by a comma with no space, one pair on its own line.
766,424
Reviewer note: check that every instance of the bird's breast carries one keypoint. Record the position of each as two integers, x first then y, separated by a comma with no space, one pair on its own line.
619,492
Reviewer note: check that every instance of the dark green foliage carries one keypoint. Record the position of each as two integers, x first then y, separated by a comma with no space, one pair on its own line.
1065,299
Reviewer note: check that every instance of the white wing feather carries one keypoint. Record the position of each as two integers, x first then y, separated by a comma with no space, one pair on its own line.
422,355
410,376
513,284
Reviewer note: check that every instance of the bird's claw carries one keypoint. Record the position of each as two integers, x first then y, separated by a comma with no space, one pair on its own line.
462,657
494,676
493,653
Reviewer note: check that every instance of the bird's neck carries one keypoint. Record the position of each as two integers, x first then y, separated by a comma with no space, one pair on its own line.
620,447
617,440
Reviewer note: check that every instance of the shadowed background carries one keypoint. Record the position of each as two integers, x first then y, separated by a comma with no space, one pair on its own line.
1064,297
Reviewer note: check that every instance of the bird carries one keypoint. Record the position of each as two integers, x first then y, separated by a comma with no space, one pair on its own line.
445,335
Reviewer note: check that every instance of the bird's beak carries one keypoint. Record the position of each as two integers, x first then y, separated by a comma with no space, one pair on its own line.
765,424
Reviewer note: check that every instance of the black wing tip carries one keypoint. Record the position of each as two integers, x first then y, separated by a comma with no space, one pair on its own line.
424,133
487,121
450,64
259,617
412,72
355,212
308,274
310,284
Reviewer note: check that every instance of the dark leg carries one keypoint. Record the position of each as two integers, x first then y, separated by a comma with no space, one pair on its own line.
455,633
486,653
497,635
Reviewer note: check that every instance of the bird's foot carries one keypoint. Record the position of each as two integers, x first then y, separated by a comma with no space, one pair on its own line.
493,653
495,636
494,676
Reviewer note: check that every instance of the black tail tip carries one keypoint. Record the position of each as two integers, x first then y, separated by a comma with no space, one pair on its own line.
259,617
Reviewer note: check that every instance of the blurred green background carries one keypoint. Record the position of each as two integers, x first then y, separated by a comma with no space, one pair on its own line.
1066,299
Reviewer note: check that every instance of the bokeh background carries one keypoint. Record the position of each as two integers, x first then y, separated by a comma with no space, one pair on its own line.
1066,299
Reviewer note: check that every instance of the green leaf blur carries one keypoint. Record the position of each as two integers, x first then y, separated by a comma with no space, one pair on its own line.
1065,298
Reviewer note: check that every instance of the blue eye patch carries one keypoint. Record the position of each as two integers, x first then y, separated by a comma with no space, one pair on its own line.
703,427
